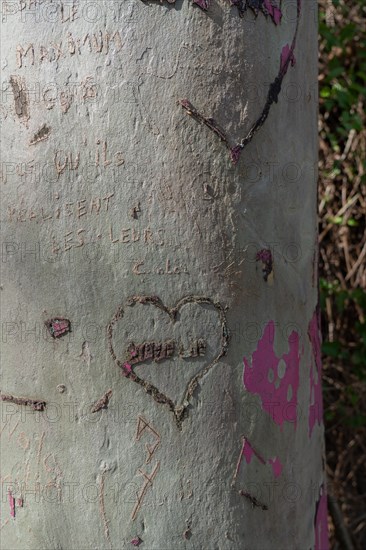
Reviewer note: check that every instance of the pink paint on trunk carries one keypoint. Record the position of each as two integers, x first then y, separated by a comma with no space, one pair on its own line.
276,466
279,402
321,522
248,452
316,396
273,11
11,504
287,59
126,369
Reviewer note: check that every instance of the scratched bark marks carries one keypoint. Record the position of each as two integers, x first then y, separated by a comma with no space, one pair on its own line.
109,191
203,4
21,99
287,58
35,404
102,403
41,135
180,410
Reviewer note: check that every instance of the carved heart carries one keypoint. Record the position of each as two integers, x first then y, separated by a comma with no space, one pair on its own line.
165,350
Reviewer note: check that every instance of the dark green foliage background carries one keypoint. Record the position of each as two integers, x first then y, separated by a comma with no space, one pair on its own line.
342,211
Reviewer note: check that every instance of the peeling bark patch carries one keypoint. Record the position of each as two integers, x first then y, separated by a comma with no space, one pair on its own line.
21,101
35,404
321,522
265,256
58,327
102,403
41,135
275,401
316,396
255,502
136,541
180,411
287,58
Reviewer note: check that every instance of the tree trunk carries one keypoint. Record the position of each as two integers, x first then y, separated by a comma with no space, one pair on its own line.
161,378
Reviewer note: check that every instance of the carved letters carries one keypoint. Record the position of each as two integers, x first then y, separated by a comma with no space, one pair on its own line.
100,42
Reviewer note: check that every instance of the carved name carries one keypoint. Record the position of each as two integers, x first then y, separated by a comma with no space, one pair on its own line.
157,351
77,209
170,267
100,42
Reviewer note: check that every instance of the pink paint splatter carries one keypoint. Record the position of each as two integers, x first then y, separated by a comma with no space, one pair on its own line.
126,369
273,11
276,466
11,504
248,452
20,502
287,59
280,403
316,396
321,522
136,541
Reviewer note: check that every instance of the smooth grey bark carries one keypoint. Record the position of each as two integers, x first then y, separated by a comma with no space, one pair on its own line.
161,377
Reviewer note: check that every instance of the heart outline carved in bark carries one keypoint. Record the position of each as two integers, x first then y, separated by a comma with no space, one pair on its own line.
180,412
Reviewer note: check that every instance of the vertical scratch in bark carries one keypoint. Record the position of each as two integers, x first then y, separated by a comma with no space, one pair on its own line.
21,100
102,509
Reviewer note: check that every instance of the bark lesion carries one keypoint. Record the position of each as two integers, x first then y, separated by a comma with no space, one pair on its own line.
21,98
102,403
35,404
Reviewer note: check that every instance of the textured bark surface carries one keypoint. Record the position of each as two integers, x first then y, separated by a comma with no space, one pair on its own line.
161,354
